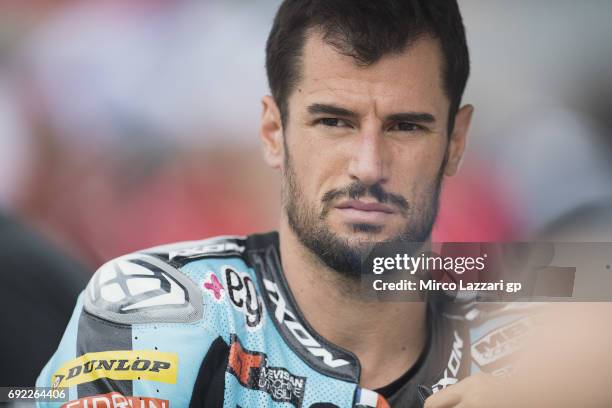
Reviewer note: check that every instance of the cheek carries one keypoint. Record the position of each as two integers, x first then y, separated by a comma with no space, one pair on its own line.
319,164
417,167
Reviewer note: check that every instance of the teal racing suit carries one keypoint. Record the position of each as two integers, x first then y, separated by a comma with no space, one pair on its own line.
213,323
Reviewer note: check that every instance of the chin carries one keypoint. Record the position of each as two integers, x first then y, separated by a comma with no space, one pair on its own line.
370,233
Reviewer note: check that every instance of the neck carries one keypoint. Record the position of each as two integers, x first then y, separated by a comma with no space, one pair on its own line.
387,337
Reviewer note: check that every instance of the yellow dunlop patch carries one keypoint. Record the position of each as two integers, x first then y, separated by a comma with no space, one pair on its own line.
118,365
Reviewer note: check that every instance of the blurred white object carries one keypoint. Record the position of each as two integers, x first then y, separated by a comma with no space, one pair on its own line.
191,70
555,163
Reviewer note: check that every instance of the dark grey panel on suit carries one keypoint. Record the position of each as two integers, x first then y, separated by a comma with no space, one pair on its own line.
95,334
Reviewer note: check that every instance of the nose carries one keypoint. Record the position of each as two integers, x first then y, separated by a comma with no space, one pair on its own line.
369,163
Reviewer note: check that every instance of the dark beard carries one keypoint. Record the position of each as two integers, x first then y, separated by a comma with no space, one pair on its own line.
337,252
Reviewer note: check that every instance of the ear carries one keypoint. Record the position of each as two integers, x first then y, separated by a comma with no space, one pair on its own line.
271,132
458,139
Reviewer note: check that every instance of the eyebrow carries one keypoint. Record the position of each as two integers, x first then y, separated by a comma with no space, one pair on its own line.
417,117
319,108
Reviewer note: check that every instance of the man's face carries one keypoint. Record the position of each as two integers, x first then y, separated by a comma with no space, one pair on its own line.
365,149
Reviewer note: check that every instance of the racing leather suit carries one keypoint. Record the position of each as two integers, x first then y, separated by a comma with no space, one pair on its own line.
213,323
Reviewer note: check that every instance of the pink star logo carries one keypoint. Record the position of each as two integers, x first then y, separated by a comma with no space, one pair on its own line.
214,286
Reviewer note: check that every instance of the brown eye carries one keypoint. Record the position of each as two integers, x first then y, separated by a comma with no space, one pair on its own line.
332,122
405,127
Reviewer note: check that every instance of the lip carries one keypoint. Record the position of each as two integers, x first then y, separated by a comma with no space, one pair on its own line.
365,207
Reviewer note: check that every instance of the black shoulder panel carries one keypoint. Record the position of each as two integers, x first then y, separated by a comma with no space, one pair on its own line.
184,252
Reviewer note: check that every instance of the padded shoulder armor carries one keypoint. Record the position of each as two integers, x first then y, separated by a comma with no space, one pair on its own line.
143,288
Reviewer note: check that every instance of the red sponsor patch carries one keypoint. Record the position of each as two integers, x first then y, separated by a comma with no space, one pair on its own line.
241,363
251,369
116,400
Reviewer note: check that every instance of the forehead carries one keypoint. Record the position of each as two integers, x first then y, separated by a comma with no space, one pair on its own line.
410,80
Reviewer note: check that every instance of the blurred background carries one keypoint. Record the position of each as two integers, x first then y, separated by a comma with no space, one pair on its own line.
127,124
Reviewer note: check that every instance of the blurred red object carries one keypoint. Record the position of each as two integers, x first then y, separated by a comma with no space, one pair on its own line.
475,207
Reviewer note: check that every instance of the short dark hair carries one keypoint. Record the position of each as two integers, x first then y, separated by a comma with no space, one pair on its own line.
366,30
